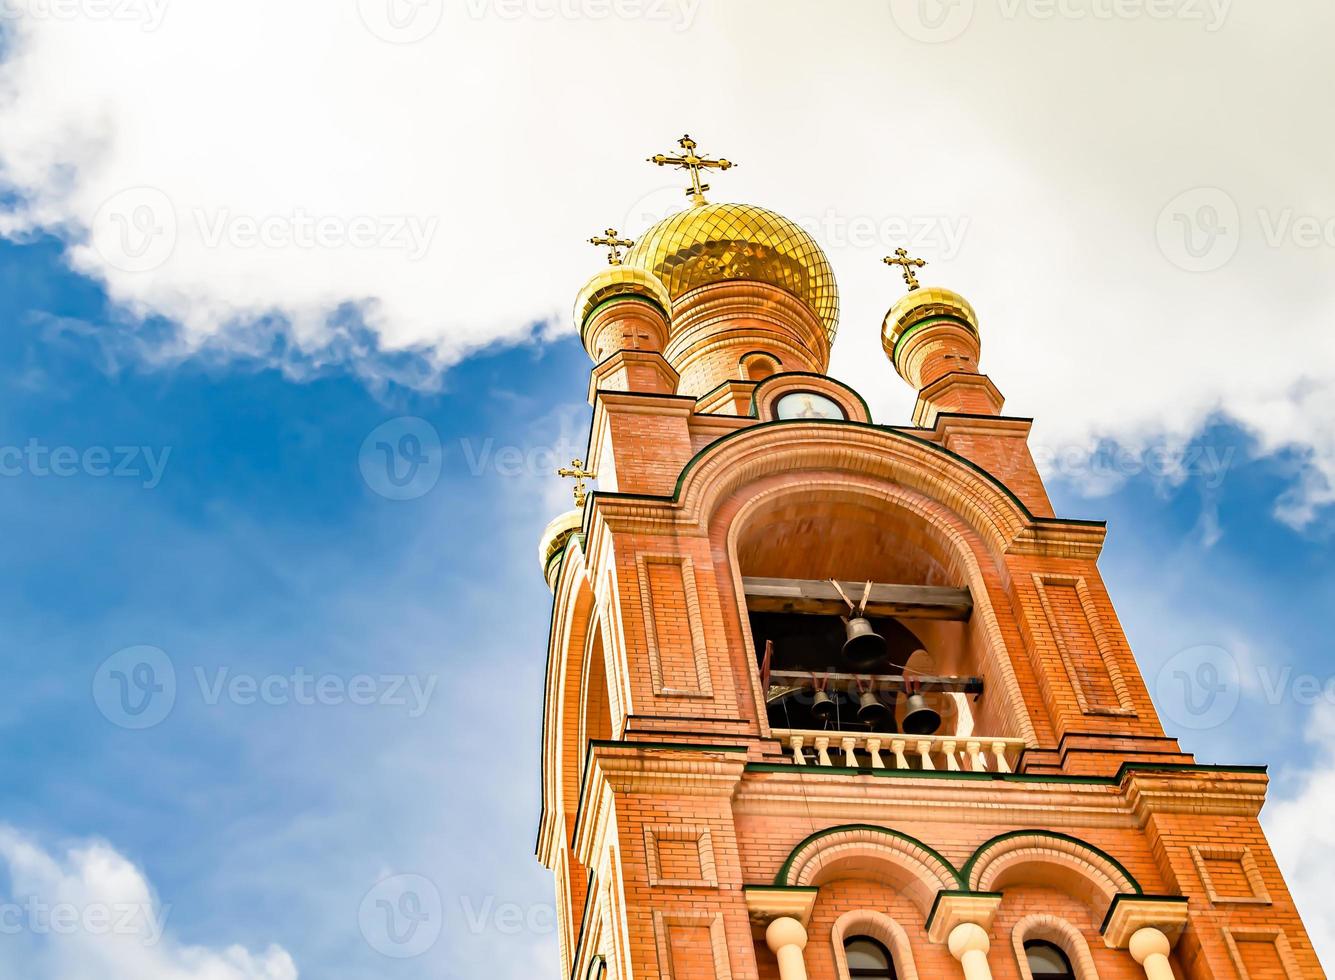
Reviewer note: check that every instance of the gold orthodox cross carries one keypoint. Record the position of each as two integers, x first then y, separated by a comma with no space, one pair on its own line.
690,160
577,472
901,258
614,245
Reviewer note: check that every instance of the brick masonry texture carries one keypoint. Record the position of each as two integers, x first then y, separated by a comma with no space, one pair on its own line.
667,800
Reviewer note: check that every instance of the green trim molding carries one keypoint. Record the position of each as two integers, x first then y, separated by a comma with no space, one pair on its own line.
780,879
966,872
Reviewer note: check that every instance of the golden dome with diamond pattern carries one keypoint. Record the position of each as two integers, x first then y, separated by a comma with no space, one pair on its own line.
710,243
921,305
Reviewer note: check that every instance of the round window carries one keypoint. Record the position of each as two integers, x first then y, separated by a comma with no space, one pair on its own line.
808,405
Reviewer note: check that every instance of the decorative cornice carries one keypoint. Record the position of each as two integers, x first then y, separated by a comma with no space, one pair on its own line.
765,903
954,908
1129,913
1237,792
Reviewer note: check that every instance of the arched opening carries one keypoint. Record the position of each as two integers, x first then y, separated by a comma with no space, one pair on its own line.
596,699
791,542
758,366
869,959
1047,961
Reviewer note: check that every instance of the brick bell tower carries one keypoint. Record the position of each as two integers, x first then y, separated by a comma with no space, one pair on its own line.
834,699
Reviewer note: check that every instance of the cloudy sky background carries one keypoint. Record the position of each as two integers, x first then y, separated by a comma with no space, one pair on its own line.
246,235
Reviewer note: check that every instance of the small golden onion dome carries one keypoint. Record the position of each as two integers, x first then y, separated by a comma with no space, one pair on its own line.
554,538
710,243
918,305
619,280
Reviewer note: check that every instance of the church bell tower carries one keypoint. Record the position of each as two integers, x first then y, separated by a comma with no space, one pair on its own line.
831,698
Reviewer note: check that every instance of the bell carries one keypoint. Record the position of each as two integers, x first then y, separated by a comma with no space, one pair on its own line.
864,646
822,706
872,710
920,718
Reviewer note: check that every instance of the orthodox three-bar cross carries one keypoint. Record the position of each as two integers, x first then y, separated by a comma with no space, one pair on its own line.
690,160
579,474
901,258
614,244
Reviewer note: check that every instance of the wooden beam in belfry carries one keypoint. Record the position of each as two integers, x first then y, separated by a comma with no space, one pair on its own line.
819,597
878,682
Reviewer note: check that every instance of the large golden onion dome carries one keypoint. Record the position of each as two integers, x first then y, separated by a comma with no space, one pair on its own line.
710,243
920,305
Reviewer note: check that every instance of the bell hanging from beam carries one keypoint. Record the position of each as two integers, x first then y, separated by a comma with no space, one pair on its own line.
822,706
920,718
872,710
864,647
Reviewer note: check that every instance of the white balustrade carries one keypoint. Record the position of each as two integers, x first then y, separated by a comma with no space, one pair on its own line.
888,750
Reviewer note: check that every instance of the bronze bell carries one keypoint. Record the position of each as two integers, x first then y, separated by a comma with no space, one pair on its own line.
822,706
864,647
872,710
920,718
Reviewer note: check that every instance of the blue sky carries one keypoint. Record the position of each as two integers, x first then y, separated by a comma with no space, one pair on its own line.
1143,277
263,550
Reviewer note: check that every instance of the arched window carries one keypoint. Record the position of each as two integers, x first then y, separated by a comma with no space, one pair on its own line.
868,959
1047,961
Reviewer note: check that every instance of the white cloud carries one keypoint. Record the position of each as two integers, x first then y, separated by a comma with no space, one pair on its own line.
87,913
1137,206
1301,832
